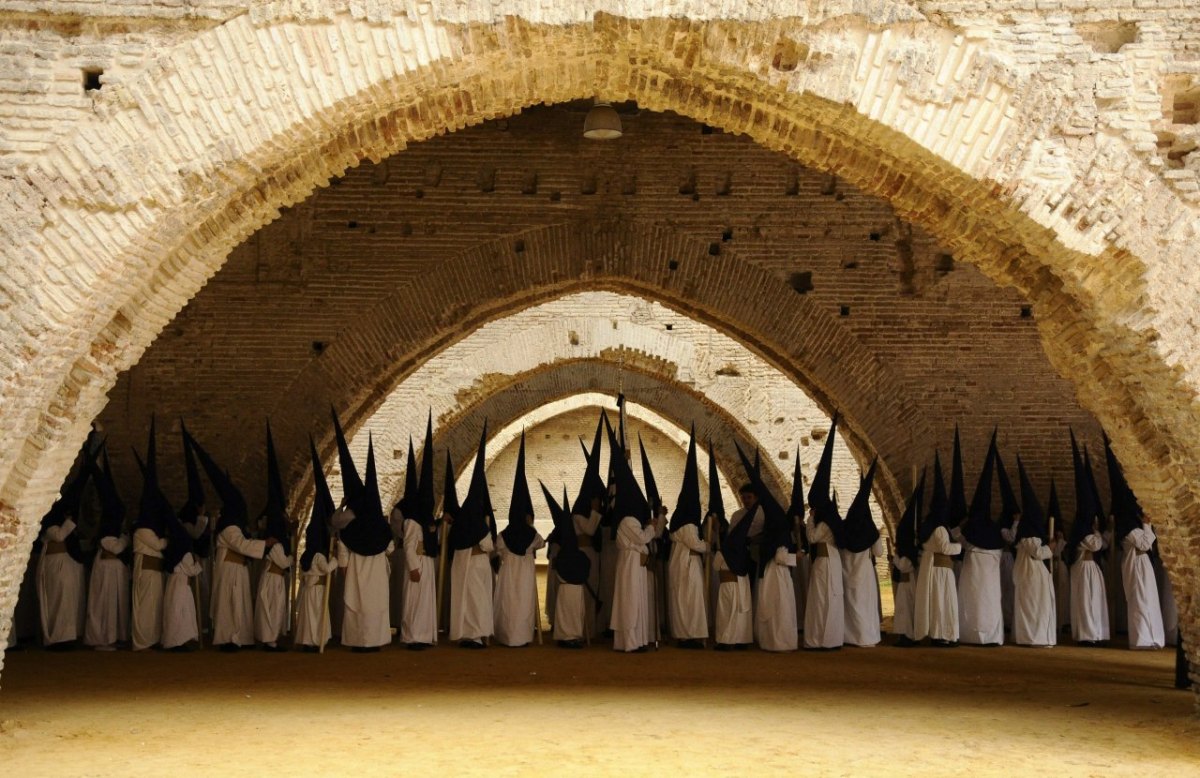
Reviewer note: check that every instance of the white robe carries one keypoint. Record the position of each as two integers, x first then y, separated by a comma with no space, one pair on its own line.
1143,607
568,609
1089,604
366,619
1034,614
62,601
147,590
232,602
825,611
632,619
935,611
1007,588
860,588
419,624
689,619
108,595
195,530
1062,585
608,578
904,595
270,606
735,608
515,604
312,603
471,616
179,604
775,617
399,570
590,526
980,609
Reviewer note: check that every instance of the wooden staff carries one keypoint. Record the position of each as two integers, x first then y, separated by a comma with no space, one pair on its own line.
708,566
1053,560
441,578
325,607
537,601
294,586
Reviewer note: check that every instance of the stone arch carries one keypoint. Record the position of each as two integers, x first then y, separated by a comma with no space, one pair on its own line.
108,247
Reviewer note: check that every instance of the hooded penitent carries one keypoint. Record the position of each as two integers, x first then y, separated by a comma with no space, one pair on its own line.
1009,507
956,505
1086,510
191,509
520,532
859,532
233,504
716,502
368,534
795,510
424,495
629,500
906,530
979,530
687,507
777,531
471,523
68,504
571,564
112,509
277,524
1033,520
592,485
652,495
819,499
316,535
1125,508
938,515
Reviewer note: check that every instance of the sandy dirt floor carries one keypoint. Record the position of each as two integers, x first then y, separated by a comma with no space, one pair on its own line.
544,710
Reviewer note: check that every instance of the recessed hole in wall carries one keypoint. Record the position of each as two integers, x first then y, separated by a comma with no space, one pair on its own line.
352,224
845,310
555,197
943,263
706,130
802,282
1026,311
673,265
573,338
727,235
519,246
91,79
419,194
875,236
318,346
670,327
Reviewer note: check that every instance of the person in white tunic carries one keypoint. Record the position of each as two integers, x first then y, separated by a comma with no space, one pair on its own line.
317,563
632,619
685,574
471,595
825,610
271,603
903,568
980,608
734,621
199,526
1034,614
181,629
860,544
149,541
595,528
802,572
515,606
422,547
60,576
935,602
1143,607
570,567
108,588
1060,571
365,541
1089,598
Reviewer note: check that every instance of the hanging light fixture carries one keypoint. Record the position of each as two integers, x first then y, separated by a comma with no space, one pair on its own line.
602,122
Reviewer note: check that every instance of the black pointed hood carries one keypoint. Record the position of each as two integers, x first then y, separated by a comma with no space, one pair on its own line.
629,499
317,534
277,525
233,504
859,532
819,498
652,495
425,487
906,529
70,501
796,508
352,483
1009,506
571,564
195,485
777,531
1053,511
153,508
938,515
980,530
716,501
956,505
112,509
520,532
412,484
471,523
368,533
1085,505
1090,472
1033,520
592,485
1125,508
687,506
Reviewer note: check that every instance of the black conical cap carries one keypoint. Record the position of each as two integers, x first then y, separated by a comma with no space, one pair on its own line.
277,524
233,504
1085,506
629,499
652,495
352,483
150,509
796,508
425,486
1125,508
471,525
906,529
687,506
571,564
1009,506
1033,520
938,515
592,485
859,532
368,533
1090,472
777,530
1053,510
112,509
716,501
519,533
979,529
195,486
957,498
819,498
316,534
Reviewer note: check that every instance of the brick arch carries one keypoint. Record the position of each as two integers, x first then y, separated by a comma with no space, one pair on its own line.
109,246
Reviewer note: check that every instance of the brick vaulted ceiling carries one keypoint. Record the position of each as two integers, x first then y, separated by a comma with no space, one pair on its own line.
338,299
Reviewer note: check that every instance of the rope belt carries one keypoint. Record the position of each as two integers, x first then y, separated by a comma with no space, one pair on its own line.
1142,553
56,547
154,563
275,569
728,576
820,550
943,560
1084,556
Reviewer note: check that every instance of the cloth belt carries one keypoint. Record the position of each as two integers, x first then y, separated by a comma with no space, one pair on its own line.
728,576
1142,553
234,557
695,553
904,578
943,560
154,563
476,550
275,569
56,547
820,550
1084,556
645,560
106,554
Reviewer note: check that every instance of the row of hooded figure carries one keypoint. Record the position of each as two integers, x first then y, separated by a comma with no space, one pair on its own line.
976,579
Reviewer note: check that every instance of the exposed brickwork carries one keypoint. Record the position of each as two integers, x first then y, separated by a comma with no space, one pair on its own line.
1044,147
